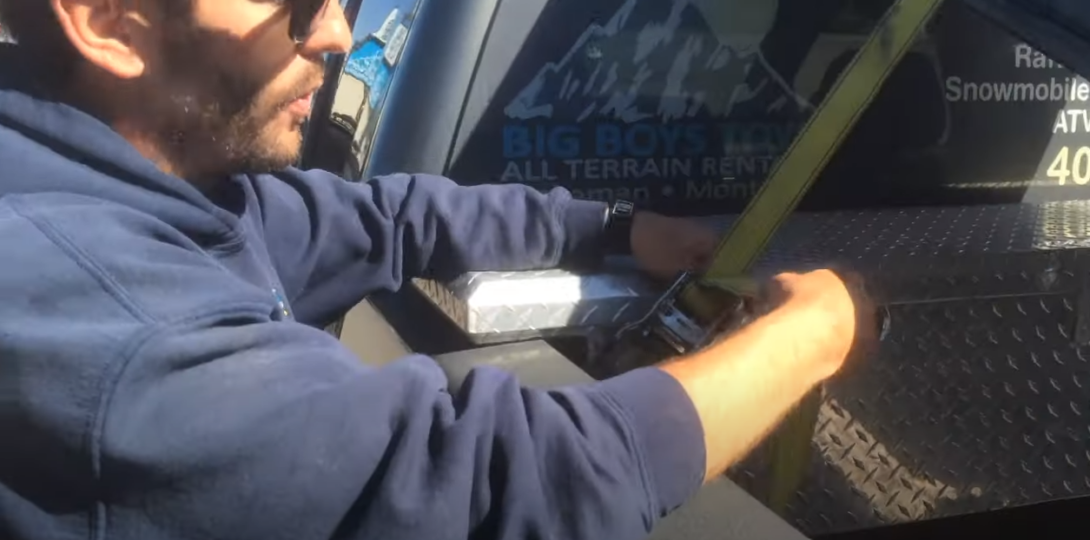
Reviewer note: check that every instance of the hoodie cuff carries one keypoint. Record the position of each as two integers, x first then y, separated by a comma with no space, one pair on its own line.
668,432
584,233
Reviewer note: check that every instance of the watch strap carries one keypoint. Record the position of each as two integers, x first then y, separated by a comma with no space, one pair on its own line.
618,227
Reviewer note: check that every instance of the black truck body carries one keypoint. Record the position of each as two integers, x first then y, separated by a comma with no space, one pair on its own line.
962,194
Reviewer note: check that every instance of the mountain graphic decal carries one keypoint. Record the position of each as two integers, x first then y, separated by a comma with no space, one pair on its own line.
660,60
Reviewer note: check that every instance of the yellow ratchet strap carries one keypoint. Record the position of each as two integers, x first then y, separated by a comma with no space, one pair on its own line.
786,185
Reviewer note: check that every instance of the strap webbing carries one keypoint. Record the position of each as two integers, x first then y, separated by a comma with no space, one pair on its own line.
786,185
823,133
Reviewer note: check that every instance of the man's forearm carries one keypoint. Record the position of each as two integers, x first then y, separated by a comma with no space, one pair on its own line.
743,386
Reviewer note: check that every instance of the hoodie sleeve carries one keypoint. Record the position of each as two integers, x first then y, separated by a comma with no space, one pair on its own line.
270,431
334,241
154,397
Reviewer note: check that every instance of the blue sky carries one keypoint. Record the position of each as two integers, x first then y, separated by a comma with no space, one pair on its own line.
373,12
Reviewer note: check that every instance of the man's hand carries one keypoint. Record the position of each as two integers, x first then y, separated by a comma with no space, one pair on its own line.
745,384
665,246
837,303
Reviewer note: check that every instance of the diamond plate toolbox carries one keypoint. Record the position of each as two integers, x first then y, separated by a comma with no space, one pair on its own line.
979,397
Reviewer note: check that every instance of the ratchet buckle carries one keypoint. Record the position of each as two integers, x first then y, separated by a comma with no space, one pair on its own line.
672,323
738,302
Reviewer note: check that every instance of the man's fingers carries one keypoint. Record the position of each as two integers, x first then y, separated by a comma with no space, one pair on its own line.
868,318
778,290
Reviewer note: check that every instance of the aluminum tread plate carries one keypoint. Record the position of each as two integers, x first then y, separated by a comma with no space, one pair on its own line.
507,306
979,398
971,404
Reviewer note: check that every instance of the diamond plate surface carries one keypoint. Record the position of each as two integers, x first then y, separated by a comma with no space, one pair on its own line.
980,397
506,306
495,307
970,405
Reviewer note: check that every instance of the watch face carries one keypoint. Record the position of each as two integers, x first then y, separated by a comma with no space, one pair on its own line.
623,208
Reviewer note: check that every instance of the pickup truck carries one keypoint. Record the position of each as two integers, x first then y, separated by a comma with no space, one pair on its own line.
962,192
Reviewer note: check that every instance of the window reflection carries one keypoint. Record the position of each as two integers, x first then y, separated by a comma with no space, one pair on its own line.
686,105
380,32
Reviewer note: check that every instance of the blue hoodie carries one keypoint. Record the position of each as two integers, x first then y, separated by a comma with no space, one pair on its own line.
162,375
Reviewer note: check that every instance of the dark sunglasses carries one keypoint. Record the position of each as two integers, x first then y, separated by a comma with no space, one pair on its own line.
305,15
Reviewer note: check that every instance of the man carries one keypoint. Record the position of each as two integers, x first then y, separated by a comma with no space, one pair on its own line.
162,372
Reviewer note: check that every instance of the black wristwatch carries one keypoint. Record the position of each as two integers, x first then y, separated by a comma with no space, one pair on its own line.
618,227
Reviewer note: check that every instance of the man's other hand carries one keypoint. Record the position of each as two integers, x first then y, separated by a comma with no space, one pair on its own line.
665,246
839,306
744,385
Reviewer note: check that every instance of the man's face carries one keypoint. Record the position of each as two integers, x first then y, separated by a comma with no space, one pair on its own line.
229,89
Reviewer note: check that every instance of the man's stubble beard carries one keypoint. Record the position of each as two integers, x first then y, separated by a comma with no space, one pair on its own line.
215,120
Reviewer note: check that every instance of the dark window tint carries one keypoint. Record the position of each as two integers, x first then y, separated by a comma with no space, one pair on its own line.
685,105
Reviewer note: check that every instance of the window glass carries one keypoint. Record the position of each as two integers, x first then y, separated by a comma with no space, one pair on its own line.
379,34
685,105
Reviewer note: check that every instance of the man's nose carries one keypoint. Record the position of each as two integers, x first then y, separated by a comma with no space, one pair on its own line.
331,35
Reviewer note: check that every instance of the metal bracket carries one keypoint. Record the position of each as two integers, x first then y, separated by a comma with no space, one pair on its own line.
665,308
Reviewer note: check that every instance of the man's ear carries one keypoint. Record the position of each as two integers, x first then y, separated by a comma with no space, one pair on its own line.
107,33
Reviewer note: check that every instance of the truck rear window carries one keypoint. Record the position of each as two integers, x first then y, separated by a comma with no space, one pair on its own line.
685,105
